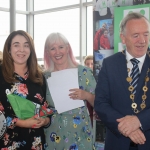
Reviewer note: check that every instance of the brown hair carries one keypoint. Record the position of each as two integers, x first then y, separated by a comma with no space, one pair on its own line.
35,74
89,57
1,57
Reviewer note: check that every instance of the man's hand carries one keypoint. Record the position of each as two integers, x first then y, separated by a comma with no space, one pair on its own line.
137,137
128,124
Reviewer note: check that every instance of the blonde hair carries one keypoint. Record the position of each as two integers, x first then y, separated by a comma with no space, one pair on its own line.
52,39
89,57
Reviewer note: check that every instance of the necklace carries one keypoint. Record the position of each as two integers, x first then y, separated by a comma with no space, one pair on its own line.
132,96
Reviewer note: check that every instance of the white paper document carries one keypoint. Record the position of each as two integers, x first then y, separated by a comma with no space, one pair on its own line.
59,85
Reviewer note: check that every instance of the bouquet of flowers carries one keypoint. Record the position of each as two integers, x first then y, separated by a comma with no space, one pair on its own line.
25,108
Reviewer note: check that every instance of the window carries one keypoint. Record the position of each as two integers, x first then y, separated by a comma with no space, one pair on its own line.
65,22
47,4
21,5
4,29
4,3
21,22
90,30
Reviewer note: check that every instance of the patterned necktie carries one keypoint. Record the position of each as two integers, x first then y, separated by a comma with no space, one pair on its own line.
134,74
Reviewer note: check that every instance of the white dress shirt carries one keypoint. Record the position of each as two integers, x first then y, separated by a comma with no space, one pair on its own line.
129,63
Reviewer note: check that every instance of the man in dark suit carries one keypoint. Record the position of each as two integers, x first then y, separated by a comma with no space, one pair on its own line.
122,96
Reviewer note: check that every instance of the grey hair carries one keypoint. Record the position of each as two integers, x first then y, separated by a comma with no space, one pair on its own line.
128,17
54,38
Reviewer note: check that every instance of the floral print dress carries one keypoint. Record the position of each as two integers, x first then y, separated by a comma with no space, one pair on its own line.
72,130
17,138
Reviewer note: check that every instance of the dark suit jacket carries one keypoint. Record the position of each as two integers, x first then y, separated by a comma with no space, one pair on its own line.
112,101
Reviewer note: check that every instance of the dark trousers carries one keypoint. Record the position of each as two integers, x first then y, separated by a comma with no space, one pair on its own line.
133,148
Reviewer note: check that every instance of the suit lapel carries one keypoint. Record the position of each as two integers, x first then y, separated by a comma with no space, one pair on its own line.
144,70
122,66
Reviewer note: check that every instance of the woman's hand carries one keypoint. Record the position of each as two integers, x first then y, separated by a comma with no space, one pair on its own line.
33,122
43,122
82,95
28,123
78,94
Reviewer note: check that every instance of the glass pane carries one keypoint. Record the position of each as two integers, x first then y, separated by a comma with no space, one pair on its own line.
4,29
21,5
65,22
21,22
90,30
47,4
89,0
4,3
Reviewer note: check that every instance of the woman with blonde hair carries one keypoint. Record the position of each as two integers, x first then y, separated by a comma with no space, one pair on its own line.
71,129
88,61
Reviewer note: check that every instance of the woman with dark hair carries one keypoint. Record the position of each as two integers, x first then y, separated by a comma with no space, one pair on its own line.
1,57
71,129
20,75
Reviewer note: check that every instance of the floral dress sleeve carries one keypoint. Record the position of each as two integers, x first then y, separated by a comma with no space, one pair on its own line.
5,107
86,79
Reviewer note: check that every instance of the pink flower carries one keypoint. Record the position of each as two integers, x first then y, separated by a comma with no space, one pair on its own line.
46,104
39,97
22,88
1,107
